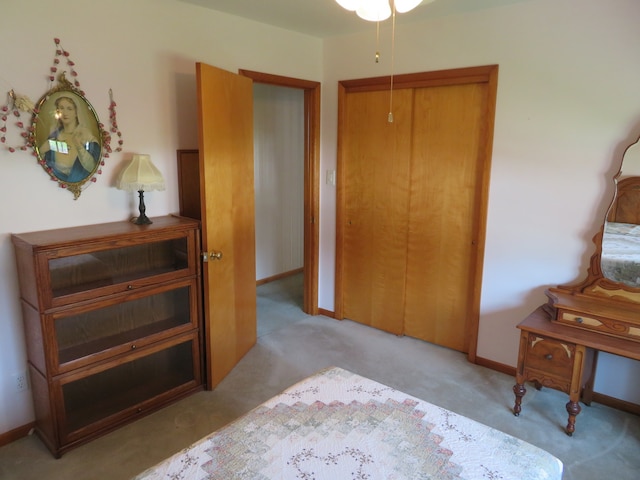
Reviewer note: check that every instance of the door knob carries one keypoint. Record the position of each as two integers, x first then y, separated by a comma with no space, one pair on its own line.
211,255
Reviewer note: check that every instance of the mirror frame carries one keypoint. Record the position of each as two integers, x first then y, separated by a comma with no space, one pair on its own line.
596,283
45,128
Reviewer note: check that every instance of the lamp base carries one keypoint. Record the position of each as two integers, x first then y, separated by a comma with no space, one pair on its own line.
142,219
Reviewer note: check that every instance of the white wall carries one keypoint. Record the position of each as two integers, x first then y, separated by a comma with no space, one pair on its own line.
145,50
278,144
568,103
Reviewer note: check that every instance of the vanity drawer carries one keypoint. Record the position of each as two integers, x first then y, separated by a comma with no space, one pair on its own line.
618,328
553,357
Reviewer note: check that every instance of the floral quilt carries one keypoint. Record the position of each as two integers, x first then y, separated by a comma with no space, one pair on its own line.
337,425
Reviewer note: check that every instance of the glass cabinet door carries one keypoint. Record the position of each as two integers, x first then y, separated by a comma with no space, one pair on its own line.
126,389
112,266
89,333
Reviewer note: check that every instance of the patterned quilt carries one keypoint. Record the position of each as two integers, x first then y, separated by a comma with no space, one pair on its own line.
337,425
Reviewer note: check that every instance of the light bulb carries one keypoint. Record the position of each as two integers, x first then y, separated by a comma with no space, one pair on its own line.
374,10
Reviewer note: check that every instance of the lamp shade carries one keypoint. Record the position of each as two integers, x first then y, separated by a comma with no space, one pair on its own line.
140,175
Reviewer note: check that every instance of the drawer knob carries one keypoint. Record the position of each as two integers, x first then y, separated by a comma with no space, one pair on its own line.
579,320
133,347
129,287
548,356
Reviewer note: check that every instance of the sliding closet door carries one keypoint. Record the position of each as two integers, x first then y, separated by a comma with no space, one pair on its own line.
375,184
412,201
445,173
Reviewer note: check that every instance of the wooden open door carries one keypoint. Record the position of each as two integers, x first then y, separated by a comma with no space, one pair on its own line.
225,121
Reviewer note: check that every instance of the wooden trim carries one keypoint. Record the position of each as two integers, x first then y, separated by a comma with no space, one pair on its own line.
340,208
312,199
326,313
279,80
311,177
482,201
457,76
616,403
16,434
278,276
498,367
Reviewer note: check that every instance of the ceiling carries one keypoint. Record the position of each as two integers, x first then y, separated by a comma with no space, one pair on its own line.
325,18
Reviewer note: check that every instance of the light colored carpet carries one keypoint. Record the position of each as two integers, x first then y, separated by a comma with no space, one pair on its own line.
606,444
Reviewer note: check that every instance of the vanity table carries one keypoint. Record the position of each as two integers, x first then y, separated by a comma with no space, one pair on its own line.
560,341
564,358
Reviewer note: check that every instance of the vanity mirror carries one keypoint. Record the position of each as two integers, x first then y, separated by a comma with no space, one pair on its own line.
620,259
608,300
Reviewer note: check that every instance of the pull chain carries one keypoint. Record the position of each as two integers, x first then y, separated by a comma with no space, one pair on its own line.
378,41
393,49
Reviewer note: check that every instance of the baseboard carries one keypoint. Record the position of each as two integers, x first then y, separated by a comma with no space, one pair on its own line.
16,434
273,278
498,367
600,398
616,403
326,313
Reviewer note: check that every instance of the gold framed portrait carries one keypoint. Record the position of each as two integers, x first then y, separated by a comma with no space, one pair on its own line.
67,136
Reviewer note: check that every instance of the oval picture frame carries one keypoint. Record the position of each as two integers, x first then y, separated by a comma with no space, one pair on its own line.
67,137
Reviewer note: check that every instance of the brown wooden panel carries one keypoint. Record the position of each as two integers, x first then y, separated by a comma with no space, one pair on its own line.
189,183
225,102
375,186
443,215
449,153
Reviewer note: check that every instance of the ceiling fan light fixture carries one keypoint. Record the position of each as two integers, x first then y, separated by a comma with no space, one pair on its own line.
350,5
379,10
403,6
374,10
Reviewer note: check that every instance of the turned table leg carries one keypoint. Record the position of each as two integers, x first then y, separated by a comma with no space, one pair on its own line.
573,409
519,391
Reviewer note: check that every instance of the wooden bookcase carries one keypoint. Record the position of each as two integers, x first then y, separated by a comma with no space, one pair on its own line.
112,323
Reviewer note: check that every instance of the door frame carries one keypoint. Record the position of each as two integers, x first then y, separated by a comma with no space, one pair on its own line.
484,74
311,177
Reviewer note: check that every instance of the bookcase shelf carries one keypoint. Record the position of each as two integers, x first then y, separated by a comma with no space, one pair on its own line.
112,322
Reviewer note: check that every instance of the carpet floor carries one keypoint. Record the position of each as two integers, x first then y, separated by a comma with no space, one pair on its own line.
292,346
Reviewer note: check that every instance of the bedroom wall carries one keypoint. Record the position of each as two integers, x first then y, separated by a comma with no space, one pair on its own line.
145,51
568,103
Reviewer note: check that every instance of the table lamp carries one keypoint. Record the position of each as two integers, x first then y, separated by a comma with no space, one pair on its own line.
140,175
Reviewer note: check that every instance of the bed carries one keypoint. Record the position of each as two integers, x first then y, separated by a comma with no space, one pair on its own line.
339,425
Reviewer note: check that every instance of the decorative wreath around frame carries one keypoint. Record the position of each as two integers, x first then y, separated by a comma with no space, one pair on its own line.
89,143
